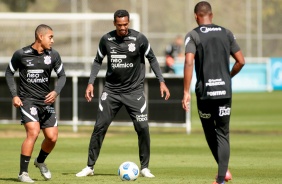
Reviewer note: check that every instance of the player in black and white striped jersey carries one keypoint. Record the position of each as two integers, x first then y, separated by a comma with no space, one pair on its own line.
34,98
126,50
210,46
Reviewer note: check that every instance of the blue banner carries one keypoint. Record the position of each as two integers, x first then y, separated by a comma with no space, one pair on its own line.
276,73
252,78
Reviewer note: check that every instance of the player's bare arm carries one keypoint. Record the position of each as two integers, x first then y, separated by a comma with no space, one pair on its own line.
188,71
51,97
89,92
185,101
17,101
165,90
239,63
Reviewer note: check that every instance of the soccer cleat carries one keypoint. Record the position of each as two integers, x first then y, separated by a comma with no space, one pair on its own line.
228,176
87,171
24,177
146,173
43,169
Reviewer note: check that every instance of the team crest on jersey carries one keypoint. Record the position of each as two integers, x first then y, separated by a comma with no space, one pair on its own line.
104,96
47,60
33,111
131,47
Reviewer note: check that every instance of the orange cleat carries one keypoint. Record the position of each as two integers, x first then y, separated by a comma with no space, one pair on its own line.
228,176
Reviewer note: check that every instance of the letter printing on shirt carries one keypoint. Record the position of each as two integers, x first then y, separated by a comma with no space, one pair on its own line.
125,61
35,72
204,41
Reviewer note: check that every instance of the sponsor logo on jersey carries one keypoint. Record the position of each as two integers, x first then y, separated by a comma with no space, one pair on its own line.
142,117
203,115
118,56
132,38
215,82
224,111
216,93
209,29
33,111
116,62
47,60
104,96
28,51
29,62
112,38
34,76
50,110
35,71
113,51
131,47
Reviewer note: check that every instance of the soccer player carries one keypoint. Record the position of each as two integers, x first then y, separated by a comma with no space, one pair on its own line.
172,52
126,50
34,97
211,46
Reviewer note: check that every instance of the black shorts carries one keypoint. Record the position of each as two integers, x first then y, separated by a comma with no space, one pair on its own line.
134,102
217,111
34,111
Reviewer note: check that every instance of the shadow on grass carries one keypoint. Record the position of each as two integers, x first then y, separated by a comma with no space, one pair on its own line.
12,179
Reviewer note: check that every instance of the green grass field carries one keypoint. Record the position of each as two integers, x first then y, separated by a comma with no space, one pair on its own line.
256,149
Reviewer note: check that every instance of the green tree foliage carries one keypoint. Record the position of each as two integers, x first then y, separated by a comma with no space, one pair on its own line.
18,5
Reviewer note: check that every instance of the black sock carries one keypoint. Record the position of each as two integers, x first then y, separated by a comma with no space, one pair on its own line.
91,166
42,156
24,163
220,179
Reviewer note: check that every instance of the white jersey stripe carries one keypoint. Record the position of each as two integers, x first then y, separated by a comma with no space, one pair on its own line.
28,115
187,40
148,49
60,69
100,53
11,67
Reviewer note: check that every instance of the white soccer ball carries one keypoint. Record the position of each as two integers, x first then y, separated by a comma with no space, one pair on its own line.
128,171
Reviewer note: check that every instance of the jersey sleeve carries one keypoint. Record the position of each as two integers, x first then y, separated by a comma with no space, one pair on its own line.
10,71
145,48
234,47
101,53
59,69
190,42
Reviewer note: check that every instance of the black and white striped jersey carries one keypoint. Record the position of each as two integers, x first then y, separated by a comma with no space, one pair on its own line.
212,46
34,73
125,61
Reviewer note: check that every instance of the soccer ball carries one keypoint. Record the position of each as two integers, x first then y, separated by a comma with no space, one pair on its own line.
128,171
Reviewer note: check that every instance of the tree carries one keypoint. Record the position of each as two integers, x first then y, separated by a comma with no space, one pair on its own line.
18,6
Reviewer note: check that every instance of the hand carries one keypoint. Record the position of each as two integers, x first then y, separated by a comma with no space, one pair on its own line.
186,101
89,92
51,97
165,90
17,101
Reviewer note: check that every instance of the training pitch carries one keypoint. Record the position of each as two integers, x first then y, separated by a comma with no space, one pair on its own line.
256,151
